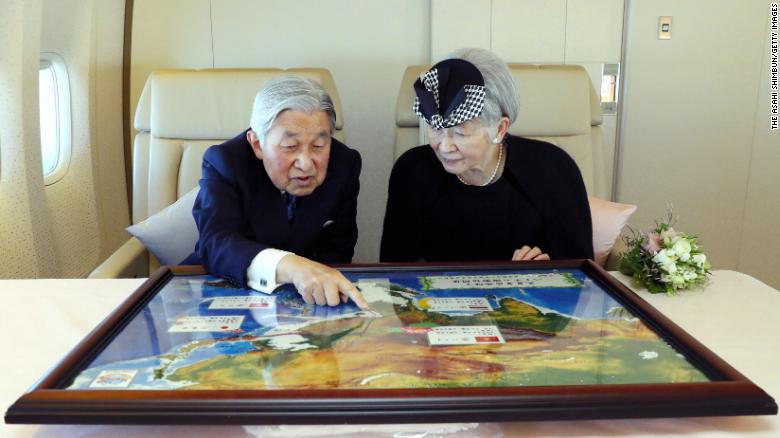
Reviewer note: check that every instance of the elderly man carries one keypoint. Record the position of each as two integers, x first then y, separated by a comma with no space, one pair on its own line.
281,197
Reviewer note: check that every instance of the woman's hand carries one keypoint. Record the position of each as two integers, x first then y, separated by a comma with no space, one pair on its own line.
317,283
528,253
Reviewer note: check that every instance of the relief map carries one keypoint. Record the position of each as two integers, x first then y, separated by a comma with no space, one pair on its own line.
425,329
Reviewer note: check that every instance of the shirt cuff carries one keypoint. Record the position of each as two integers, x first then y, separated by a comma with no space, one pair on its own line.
261,273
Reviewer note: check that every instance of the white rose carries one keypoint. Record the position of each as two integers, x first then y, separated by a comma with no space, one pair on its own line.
665,262
682,248
689,275
699,259
660,258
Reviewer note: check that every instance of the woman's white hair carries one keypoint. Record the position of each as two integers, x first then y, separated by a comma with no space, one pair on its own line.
289,93
500,90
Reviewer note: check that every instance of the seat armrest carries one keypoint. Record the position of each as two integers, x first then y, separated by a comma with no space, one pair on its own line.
131,260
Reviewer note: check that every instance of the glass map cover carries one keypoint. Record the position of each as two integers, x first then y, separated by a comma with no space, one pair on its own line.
425,329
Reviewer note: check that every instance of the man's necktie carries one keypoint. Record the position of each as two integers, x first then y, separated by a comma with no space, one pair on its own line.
289,201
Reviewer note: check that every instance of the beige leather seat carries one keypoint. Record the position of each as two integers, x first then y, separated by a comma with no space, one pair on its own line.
558,104
179,115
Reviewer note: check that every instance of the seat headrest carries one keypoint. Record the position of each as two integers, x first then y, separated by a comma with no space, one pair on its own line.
404,116
143,118
211,103
555,100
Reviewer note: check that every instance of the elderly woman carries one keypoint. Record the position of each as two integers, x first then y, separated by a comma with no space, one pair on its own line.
281,197
476,192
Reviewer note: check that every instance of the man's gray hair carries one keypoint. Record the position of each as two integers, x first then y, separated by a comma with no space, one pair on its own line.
500,90
289,93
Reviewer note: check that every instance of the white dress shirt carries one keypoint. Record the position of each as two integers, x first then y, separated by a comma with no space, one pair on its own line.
261,273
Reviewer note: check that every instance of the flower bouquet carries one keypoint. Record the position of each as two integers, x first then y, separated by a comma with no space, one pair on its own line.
664,260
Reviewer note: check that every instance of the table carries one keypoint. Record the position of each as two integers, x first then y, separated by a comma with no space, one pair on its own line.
735,315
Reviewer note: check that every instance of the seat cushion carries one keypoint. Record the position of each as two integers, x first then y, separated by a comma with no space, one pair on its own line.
608,218
171,234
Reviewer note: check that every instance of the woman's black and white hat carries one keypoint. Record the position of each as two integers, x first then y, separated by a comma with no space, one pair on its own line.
450,93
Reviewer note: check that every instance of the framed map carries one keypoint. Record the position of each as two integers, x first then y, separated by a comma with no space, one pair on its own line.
440,343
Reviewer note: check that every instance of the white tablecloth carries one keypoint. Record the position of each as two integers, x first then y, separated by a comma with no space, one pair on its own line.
736,316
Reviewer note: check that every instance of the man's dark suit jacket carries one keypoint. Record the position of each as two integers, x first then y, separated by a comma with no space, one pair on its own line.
239,212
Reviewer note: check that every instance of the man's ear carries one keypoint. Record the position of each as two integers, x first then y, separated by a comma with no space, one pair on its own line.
254,141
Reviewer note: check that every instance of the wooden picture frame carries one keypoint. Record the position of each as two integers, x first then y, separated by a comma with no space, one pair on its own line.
725,391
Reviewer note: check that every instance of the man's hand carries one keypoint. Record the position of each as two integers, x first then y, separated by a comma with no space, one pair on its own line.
316,282
528,253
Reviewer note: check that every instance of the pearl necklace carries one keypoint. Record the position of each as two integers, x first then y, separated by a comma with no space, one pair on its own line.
495,171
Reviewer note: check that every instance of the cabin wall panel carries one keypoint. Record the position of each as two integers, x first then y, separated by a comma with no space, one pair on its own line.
759,250
532,31
108,146
688,117
593,31
25,235
459,23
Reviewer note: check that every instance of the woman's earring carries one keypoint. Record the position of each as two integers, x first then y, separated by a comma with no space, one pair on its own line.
495,140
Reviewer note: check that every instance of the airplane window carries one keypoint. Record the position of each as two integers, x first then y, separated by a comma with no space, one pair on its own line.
54,104
48,107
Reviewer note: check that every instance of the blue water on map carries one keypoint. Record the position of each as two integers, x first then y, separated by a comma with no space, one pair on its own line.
234,347
570,301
